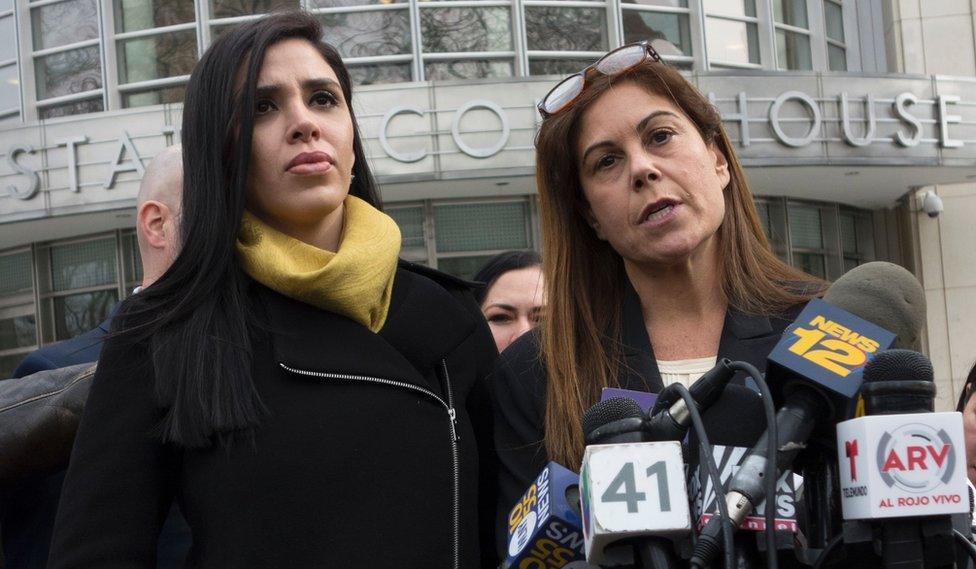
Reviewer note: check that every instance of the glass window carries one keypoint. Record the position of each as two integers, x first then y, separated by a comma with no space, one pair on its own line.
132,261
18,332
68,72
9,88
848,233
349,3
15,273
133,15
762,208
806,228
8,47
64,23
168,95
834,20
378,73
467,69
837,57
451,30
481,227
791,12
235,8
6,5
157,57
812,263
411,223
566,29
463,267
793,50
669,33
364,34
78,313
73,108
557,66
733,8
732,41
665,3
83,265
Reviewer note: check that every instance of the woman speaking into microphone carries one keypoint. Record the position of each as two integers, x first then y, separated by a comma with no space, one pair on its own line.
310,400
654,260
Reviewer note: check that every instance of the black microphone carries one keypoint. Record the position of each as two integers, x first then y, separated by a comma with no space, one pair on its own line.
670,418
901,474
815,371
617,421
733,424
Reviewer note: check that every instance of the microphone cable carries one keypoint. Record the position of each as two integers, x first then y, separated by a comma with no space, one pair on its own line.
705,451
827,551
771,450
962,540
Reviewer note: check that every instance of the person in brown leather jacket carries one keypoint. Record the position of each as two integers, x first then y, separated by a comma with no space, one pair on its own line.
41,407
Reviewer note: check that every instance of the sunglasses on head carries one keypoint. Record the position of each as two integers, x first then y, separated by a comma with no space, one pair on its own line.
624,58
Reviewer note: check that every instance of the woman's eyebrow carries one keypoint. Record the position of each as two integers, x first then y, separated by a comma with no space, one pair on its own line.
273,89
644,122
502,306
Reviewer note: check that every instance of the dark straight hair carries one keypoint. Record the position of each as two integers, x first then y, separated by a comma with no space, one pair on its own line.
196,315
500,264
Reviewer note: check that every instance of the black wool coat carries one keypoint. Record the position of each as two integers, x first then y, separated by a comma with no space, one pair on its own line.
519,384
375,451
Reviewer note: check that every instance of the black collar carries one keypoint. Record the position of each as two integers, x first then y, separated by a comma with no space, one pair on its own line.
424,324
744,337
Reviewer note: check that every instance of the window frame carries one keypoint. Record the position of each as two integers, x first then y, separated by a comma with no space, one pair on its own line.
756,20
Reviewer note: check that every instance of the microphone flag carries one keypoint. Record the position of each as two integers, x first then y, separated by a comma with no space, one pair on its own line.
905,465
631,490
728,459
544,526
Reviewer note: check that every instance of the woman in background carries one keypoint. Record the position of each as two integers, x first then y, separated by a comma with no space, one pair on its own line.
513,296
308,399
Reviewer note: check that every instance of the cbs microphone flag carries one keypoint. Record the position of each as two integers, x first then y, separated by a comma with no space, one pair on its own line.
544,526
898,466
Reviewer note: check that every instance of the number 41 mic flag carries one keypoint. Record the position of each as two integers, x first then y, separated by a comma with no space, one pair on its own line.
630,490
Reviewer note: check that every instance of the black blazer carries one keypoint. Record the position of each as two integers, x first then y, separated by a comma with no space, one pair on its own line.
375,451
519,384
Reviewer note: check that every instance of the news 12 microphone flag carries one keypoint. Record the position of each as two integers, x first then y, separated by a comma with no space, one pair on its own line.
900,466
829,347
544,526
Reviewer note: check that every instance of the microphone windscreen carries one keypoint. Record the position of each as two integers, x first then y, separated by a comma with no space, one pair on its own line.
736,418
884,294
608,411
899,365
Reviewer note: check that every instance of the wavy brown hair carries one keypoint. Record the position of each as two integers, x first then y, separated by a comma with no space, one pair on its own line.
584,275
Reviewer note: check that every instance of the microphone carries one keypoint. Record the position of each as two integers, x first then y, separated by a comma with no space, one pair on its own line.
734,424
903,467
885,294
670,418
632,492
544,527
815,370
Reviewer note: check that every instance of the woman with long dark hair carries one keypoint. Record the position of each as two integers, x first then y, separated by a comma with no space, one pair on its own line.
310,400
654,259
512,296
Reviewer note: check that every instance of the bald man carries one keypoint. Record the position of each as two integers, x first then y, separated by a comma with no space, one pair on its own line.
27,510
158,213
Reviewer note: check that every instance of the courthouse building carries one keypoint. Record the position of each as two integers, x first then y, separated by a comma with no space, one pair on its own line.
845,113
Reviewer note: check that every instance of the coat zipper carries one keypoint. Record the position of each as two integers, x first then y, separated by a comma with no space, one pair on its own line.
452,423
